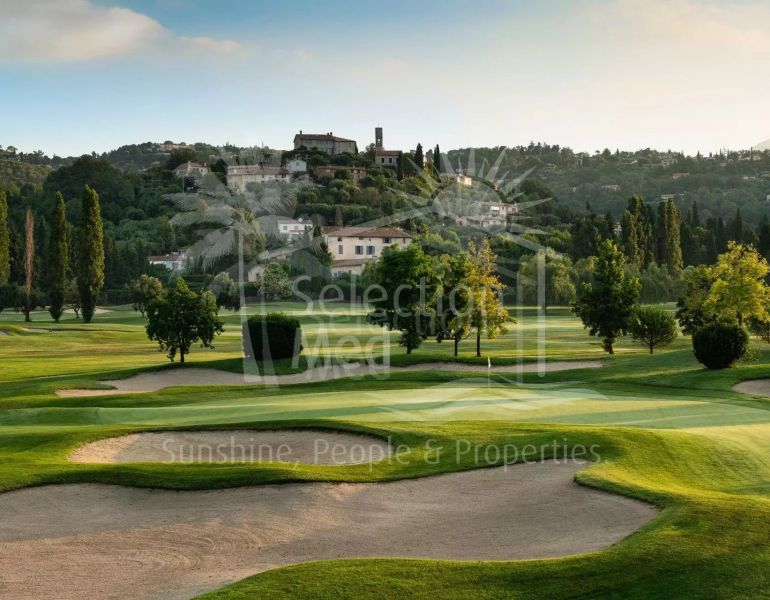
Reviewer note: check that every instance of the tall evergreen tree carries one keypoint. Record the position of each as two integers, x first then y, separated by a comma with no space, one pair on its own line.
763,245
91,256
736,231
419,157
662,232
694,218
5,242
720,235
29,263
437,159
605,303
58,259
673,241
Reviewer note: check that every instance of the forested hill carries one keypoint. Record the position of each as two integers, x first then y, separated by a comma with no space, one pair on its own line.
720,183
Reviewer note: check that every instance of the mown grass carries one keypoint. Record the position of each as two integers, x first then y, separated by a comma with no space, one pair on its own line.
668,432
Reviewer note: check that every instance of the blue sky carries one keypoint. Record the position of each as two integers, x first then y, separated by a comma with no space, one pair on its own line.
82,75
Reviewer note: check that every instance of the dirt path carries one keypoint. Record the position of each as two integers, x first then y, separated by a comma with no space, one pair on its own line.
237,445
97,541
158,380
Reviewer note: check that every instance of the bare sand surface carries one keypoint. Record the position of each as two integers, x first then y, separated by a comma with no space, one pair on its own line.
238,445
98,541
755,387
158,380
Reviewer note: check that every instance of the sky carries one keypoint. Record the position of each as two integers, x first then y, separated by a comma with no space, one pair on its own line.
90,75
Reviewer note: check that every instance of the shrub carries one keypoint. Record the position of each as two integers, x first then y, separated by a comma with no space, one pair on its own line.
273,336
719,345
652,326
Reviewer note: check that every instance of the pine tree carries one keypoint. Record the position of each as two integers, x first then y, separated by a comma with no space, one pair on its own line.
437,159
5,242
419,157
91,256
58,259
605,304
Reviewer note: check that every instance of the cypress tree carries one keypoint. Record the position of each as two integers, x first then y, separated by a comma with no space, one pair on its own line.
763,245
737,229
721,236
662,234
91,255
673,240
419,157
5,241
58,258
437,159
29,262
694,217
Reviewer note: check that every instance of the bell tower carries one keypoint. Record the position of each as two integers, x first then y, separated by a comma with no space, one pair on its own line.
378,138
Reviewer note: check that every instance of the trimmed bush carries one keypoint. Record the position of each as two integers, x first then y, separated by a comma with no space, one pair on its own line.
719,345
273,336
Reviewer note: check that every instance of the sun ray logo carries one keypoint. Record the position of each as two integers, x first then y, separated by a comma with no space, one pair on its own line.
239,220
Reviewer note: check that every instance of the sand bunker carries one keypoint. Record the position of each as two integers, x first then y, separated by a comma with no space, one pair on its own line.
294,446
100,541
755,387
158,380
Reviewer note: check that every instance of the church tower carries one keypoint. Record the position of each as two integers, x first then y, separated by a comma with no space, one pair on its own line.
378,138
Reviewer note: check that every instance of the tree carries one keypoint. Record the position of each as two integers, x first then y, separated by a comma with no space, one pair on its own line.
450,303
484,310
690,312
419,157
638,241
275,283
143,291
410,283
5,241
738,290
437,160
29,263
225,291
58,259
605,303
180,318
91,256
652,326
557,285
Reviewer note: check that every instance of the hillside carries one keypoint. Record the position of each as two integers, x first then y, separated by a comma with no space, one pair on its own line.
15,174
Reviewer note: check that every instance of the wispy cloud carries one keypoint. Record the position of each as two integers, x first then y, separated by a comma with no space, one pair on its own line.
79,30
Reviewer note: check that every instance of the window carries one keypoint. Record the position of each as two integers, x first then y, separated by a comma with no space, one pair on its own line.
339,239
386,240
370,250
359,250
340,249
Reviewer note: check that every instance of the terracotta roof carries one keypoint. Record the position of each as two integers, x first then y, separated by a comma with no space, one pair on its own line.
371,232
387,152
321,136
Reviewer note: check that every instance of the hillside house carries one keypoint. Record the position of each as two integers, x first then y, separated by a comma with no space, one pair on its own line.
326,142
353,247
